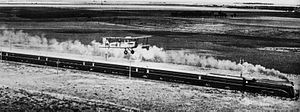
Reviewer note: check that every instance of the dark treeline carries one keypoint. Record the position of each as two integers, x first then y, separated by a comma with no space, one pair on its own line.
55,14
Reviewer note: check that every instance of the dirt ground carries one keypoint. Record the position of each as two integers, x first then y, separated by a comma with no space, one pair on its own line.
46,88
21,100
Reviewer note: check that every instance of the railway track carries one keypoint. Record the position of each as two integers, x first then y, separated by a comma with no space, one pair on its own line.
268,87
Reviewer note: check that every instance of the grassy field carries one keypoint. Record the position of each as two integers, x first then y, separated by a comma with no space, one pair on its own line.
47,89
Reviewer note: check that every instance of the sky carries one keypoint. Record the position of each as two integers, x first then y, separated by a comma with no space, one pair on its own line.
283,2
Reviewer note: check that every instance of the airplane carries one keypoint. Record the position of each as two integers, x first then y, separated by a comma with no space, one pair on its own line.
128,43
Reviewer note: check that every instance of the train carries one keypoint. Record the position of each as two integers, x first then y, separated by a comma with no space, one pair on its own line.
262,86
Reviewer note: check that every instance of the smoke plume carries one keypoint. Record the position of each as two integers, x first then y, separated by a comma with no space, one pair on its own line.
154,54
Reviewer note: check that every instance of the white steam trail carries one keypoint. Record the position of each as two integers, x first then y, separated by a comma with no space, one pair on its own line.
154,54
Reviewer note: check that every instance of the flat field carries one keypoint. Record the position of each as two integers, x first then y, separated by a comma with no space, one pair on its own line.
40,88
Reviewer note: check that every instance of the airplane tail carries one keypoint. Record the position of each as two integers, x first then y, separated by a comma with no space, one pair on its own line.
105,41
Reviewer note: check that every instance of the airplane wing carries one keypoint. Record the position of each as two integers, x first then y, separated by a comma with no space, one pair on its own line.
146,36
129,37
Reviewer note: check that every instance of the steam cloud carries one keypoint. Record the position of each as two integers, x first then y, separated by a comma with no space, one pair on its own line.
154,54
